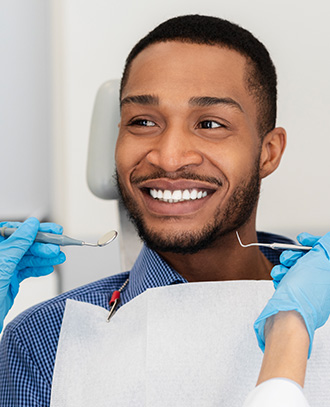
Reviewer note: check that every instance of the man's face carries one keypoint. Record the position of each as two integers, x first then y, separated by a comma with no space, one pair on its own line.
188,148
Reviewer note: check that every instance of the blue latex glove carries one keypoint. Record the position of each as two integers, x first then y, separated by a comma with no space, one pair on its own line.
303,285
289,257
21,258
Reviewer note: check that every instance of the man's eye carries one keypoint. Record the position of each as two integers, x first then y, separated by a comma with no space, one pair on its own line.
209,124
142,123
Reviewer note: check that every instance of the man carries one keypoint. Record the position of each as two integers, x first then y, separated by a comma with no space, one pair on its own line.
197,135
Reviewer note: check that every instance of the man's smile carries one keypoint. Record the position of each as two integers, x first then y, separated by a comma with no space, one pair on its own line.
175,197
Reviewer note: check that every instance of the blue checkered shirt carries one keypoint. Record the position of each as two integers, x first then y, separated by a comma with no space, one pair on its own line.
29,343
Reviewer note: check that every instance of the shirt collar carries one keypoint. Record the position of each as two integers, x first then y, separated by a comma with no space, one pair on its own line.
149,271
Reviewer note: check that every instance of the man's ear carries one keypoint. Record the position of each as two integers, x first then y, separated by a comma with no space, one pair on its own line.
273,147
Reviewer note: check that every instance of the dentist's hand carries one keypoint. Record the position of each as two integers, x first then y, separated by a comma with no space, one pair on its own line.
289,257
20,258
302,283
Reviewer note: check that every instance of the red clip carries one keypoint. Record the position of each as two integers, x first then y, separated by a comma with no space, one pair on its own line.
115,296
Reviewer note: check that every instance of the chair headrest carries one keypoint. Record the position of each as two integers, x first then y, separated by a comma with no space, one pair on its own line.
102,141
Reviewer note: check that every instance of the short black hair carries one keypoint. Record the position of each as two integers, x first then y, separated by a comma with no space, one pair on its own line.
197,29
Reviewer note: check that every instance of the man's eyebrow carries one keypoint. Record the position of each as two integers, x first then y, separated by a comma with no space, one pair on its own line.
140,100
204,101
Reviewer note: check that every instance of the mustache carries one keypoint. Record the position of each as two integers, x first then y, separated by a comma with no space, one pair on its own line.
175,176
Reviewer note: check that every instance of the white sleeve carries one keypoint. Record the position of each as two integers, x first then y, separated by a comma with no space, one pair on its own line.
277,392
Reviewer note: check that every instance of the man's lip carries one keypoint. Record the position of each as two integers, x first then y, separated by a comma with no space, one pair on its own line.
173,185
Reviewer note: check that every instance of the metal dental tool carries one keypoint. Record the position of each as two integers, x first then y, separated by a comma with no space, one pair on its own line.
276,246
63,240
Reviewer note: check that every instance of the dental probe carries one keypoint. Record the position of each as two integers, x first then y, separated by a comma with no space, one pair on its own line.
276,246
63,240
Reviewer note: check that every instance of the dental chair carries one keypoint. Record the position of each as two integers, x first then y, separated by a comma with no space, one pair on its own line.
101,164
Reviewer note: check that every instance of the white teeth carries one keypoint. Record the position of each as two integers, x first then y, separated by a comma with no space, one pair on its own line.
193,194
153,193
177,195
186,194
167,195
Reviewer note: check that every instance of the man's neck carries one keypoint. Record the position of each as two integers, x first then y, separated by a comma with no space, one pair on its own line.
225,260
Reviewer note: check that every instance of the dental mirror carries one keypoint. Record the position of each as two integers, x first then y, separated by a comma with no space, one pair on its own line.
63,240
107,238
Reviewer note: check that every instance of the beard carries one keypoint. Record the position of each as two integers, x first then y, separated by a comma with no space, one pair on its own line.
235,214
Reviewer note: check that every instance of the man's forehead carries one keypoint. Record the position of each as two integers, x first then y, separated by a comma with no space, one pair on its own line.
185,62
201,72
178,45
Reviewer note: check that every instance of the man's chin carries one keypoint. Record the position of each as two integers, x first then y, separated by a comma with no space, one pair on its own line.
187,242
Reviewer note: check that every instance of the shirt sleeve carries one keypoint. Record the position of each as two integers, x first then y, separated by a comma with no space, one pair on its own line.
21,383
277,392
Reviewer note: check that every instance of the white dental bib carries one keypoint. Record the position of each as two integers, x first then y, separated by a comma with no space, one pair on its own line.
182,345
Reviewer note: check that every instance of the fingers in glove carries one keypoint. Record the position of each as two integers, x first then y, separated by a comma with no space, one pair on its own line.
48,227
15,246
306,239
34,272
30,261
9,225
289,257
45,250
325,243
277,273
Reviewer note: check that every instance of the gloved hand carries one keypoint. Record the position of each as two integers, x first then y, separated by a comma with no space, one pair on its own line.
289,257
303,285
21,258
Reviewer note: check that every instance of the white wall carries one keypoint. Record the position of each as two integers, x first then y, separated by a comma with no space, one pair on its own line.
25,129
25,125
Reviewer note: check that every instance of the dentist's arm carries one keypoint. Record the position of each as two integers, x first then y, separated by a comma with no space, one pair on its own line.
20,258
283,368
285,329
302,285
286,348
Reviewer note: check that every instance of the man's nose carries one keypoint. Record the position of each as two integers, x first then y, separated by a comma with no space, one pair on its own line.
175,149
